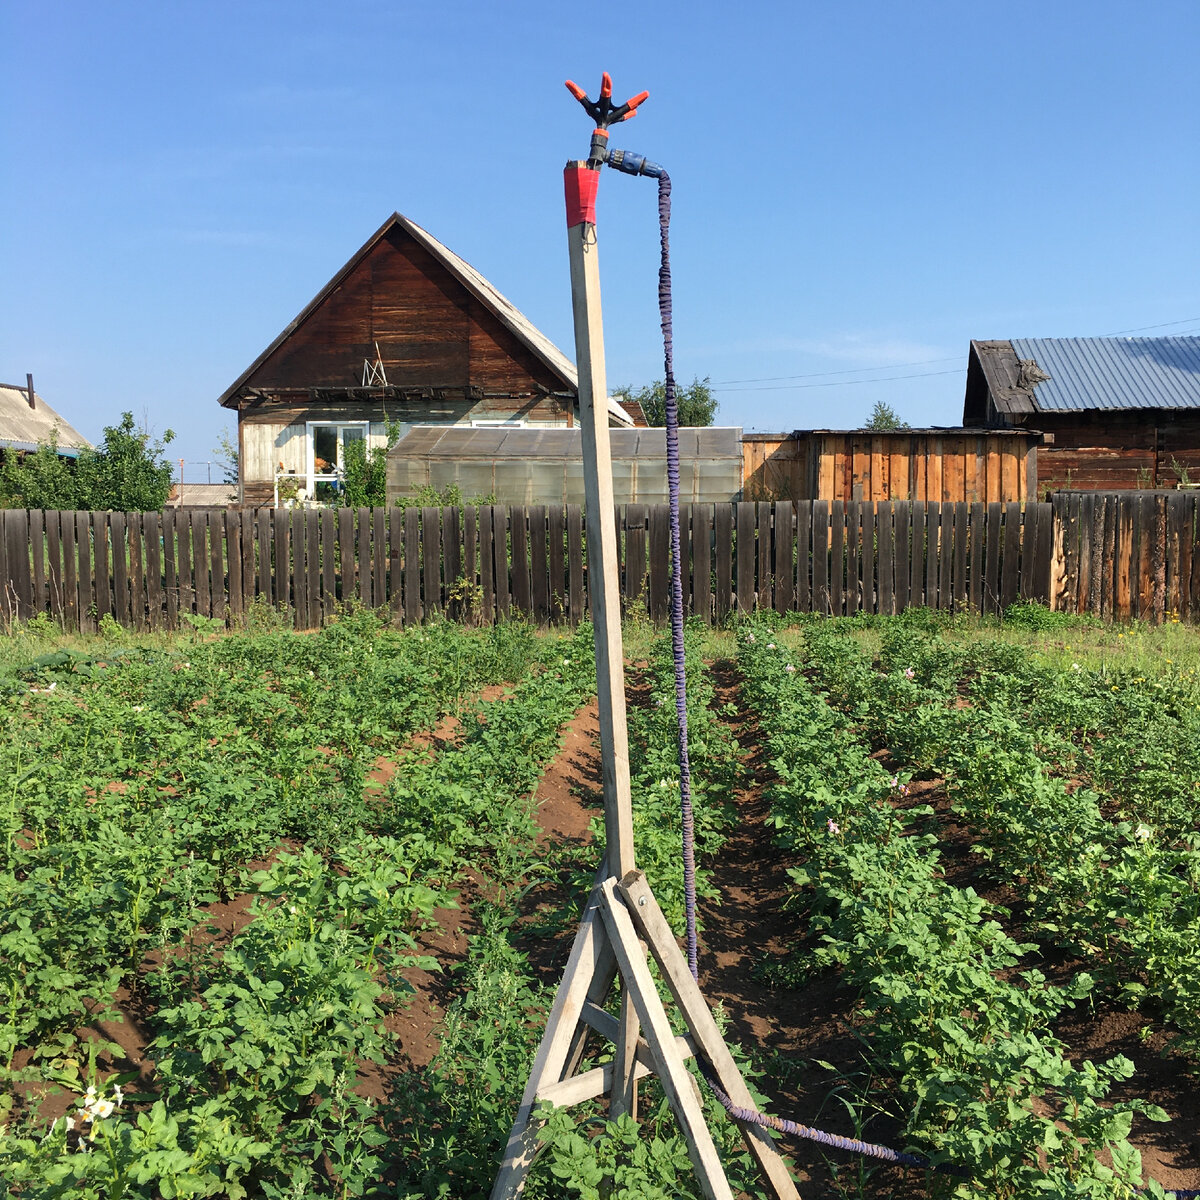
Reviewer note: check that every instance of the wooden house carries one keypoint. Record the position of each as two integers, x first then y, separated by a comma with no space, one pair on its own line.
1114,412
405,333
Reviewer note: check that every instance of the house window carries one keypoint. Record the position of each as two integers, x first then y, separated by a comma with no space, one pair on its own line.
327,444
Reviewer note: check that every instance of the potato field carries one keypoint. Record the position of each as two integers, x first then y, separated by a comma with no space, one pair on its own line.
282,915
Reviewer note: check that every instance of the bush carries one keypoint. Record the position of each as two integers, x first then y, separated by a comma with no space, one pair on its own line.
126,473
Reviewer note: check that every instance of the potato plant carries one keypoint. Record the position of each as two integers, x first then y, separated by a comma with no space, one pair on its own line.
144,787
947,1009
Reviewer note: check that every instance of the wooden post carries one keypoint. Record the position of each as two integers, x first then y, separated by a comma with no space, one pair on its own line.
604,585
605,588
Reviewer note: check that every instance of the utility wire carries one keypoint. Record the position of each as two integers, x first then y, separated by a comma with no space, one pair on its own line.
1164,325
923,362
789,387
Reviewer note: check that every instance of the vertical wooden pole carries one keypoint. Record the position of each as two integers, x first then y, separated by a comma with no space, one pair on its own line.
604,585
603,582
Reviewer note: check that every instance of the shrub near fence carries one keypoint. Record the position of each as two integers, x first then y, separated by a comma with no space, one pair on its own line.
487,563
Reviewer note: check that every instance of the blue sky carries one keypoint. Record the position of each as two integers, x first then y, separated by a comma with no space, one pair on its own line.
859,188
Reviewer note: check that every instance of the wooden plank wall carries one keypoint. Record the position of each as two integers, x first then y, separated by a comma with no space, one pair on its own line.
931,466
153,571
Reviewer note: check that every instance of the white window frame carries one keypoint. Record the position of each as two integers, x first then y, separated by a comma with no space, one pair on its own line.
484,423
336,475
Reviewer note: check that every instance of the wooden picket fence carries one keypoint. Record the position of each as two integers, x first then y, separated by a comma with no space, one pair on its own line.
147,570
1124,555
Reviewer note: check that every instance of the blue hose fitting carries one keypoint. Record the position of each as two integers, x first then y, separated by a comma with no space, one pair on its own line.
633,164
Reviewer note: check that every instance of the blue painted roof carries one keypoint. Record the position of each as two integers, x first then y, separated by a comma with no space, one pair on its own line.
1114,373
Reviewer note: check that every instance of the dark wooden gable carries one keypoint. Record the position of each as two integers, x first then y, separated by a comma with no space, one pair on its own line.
431,329
999,391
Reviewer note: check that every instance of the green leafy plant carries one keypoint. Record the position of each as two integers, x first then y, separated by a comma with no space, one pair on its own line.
125,473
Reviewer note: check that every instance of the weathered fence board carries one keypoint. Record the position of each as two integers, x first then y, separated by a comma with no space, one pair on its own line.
744,550
88,617
723,525
785,537
557,535
577,604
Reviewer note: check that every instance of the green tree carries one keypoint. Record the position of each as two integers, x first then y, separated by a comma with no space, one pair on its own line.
885,418
696,403
42,479
125,473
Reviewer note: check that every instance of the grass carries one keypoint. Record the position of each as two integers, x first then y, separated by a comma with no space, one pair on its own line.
1058,639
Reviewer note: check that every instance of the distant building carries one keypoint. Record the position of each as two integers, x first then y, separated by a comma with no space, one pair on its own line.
26,421
405,332
202,495
1115,412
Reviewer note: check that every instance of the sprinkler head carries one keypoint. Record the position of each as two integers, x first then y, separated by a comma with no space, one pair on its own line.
603,111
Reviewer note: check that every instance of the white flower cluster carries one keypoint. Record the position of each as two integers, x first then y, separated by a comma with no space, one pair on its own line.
93,1108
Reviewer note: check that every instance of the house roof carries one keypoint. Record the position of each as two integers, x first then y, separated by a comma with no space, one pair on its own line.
503,308
1113,373
1028,375
23,428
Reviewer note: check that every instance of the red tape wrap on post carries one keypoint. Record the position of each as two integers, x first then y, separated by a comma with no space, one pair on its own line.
580,184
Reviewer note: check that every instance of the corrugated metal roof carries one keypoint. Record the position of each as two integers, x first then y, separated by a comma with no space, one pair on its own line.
22,427
1114,373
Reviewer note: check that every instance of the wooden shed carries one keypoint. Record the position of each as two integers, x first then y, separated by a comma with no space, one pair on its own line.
904,464
1116,412
406,332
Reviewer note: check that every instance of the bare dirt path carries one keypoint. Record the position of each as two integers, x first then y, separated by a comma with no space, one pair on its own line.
563,815
788,1031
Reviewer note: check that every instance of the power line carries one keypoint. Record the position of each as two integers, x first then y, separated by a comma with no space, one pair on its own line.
1164,325
924,362
728,383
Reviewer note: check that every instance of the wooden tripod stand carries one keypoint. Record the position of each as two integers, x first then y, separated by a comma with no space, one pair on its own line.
621,913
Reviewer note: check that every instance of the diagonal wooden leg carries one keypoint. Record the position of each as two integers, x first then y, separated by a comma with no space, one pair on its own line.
676,1082
591,943
622,1100
602,981
653,927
